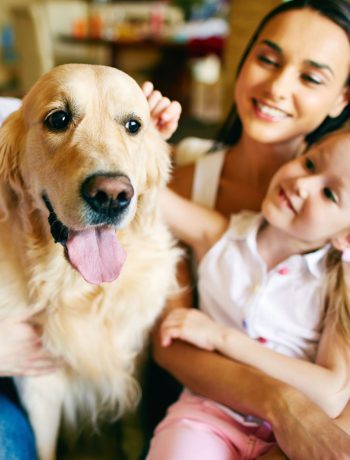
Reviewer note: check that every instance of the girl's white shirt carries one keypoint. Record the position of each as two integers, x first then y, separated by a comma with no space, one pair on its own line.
282,308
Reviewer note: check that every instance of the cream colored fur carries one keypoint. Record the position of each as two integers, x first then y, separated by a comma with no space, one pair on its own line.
97,330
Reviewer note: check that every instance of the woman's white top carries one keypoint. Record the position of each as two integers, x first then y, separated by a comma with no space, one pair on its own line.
207,170
7,106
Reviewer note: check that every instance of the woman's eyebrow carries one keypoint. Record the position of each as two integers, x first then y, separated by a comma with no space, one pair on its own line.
319,65
310,62
272,45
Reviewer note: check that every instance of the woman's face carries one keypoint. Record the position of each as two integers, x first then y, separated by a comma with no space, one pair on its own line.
293,77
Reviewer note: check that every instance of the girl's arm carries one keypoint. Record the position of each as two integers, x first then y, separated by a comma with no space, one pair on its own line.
327,382
195,225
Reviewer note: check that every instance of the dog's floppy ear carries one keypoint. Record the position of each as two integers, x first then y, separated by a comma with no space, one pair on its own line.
158,171
11,145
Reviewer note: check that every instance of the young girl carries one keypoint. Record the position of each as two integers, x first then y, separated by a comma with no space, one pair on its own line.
262,287
293,82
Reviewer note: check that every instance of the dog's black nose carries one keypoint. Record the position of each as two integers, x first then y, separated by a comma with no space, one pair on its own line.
107,194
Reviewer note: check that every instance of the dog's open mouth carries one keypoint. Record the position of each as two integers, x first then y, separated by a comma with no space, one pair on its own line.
94,252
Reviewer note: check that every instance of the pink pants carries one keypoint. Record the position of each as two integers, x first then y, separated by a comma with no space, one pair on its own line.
197,429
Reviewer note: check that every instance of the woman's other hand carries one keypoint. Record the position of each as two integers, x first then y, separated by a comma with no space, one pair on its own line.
21,351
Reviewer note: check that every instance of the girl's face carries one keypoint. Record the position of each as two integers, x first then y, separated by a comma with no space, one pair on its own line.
293,77
309,197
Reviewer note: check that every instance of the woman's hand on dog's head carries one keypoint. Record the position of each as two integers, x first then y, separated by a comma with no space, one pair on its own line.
164,112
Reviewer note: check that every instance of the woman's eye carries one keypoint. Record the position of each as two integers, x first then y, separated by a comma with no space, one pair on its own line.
267,60
58,121
311,79
328,193
309,165
132,126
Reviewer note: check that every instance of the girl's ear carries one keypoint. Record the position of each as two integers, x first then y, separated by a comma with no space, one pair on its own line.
340,103
341,241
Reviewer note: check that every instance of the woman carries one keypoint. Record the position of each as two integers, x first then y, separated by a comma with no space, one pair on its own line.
292,86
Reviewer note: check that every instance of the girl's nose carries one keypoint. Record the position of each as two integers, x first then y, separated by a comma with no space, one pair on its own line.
303,193
306,185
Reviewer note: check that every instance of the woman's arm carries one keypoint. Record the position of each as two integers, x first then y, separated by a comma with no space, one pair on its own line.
301,428
195,225
325,382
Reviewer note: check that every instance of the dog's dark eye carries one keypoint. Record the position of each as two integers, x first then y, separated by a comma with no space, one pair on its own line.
58,121
132,126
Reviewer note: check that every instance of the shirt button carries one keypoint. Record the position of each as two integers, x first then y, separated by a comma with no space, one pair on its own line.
283,271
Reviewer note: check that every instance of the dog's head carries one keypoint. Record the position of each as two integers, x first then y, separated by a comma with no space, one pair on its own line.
82,148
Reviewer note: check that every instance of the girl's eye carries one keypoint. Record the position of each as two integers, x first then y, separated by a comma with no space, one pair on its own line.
267,60
309,165
311,79
133,126
328,193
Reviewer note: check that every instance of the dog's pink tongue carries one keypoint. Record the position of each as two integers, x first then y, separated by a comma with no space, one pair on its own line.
96,254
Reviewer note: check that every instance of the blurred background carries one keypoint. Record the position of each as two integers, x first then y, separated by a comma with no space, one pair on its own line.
188,48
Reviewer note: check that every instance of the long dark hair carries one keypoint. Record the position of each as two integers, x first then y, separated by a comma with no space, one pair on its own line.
338,11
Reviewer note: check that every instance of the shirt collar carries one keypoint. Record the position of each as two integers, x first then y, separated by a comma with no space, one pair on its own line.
247,229
315,260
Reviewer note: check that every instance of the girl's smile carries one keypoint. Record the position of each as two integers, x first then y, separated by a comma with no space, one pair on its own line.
309,197
285,201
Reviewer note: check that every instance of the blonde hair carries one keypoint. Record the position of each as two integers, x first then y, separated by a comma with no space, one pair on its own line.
338,293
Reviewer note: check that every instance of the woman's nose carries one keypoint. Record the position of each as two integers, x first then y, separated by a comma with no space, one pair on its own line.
280,84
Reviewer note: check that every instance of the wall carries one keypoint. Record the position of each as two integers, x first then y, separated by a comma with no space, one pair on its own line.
5,6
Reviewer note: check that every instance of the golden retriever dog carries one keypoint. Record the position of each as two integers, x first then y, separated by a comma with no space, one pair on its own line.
83,245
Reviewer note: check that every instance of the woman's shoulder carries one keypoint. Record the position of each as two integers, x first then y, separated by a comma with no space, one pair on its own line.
193,163
190,149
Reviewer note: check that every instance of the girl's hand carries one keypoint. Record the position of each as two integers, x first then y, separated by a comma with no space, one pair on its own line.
21,351
192,326
165,113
